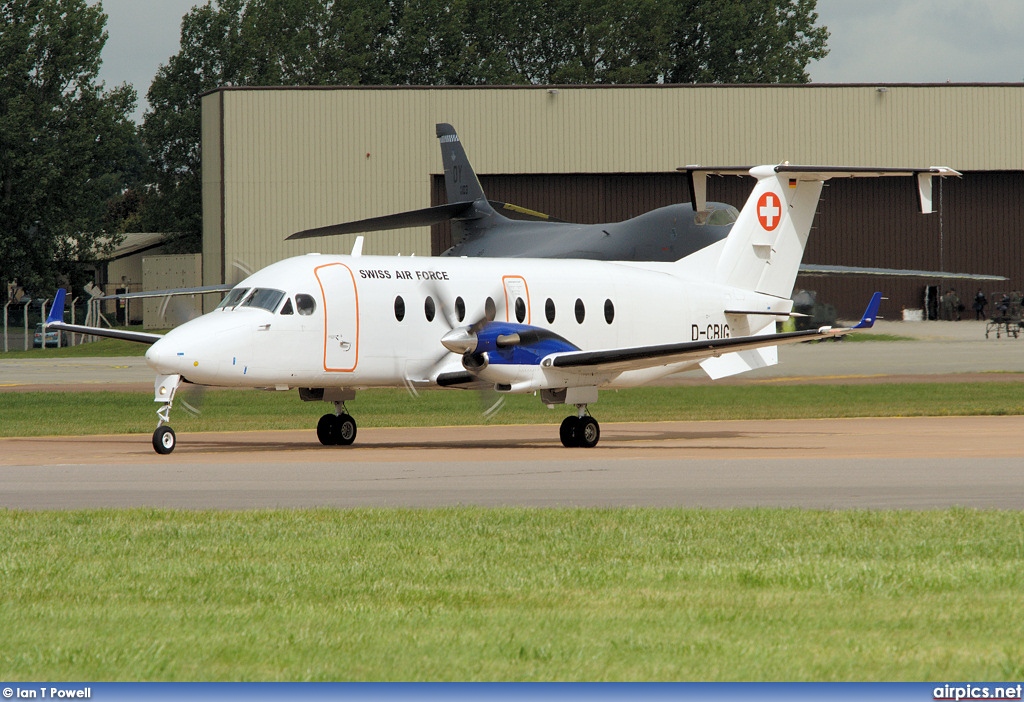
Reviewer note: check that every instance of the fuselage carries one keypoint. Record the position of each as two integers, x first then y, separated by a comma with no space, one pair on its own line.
341,321
665,234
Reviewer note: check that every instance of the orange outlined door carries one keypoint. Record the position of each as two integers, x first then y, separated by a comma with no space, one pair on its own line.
341,317
517,299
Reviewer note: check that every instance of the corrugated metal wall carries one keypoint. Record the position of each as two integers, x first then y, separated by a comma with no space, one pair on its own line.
871,223
283,159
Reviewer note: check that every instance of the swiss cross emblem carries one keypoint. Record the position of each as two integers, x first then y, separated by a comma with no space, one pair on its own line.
769,211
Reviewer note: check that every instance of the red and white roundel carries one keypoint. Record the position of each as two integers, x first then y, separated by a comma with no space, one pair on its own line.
769,211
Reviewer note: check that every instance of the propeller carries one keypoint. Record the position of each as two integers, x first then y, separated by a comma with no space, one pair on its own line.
454,315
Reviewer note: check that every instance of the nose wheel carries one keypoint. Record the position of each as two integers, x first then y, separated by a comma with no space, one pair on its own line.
164,440
164,388
579,432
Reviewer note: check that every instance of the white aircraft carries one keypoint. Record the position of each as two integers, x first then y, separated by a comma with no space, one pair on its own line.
562,329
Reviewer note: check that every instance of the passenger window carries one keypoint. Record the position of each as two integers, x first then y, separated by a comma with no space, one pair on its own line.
287,307
460,308
581,311
609,311
549,310
490,312
399,308
429,309
305,304
520,310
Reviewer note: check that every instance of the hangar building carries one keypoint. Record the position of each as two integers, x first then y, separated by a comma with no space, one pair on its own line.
279,160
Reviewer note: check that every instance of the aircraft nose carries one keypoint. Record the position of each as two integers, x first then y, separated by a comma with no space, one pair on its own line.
161,358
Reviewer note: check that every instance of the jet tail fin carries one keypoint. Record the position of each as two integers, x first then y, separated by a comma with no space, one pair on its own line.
460,181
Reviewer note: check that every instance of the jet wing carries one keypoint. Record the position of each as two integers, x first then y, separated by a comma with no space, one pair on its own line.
640,357
825,269
200,290
414,218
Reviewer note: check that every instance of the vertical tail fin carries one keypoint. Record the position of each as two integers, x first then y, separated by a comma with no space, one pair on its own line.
766,244
461,183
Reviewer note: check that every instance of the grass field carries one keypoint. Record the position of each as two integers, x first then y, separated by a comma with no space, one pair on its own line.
43,414
512,594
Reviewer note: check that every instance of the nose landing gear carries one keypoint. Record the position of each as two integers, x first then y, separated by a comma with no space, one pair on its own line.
164,388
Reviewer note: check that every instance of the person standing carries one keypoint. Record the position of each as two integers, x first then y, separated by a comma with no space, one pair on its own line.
979,305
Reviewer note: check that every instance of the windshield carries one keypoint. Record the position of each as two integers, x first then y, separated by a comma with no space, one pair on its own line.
264,298
232,298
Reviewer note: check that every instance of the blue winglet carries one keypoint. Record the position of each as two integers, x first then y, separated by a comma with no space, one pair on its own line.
870,314
57,309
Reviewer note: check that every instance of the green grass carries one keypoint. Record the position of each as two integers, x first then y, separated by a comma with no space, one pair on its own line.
44,414
512,594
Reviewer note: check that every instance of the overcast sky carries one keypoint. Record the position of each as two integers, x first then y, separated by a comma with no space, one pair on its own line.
872,41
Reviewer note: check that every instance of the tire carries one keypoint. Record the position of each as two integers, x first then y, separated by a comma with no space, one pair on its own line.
588,432
164,440
346,427
567,432
328,430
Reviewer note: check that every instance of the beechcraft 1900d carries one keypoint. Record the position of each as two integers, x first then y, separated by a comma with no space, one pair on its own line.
564,329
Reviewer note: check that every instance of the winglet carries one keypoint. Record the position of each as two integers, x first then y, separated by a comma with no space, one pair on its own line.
57,309
870,314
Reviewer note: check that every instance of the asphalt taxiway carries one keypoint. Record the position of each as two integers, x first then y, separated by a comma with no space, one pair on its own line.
913,463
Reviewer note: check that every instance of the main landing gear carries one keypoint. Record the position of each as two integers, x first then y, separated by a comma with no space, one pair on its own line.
338,429
581,431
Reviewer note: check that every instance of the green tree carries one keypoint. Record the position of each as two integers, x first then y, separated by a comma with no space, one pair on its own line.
744,41
245,42
66,145
454,42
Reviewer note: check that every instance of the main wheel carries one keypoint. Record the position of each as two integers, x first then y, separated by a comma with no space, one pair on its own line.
567,432
164,440
346,430
328,430
588,432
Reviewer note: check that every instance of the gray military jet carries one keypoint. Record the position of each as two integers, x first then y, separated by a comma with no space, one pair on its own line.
480,229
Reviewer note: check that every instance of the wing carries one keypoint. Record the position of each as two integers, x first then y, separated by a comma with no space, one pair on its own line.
824,269
639,357
53,321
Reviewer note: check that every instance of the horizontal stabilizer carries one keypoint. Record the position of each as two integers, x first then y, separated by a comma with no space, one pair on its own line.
697,177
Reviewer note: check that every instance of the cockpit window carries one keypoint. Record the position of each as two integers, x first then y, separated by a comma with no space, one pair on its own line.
287,307
723,216
719,215
305,304
232,298
264,298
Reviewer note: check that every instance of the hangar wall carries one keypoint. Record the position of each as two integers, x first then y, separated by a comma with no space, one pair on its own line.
278,160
